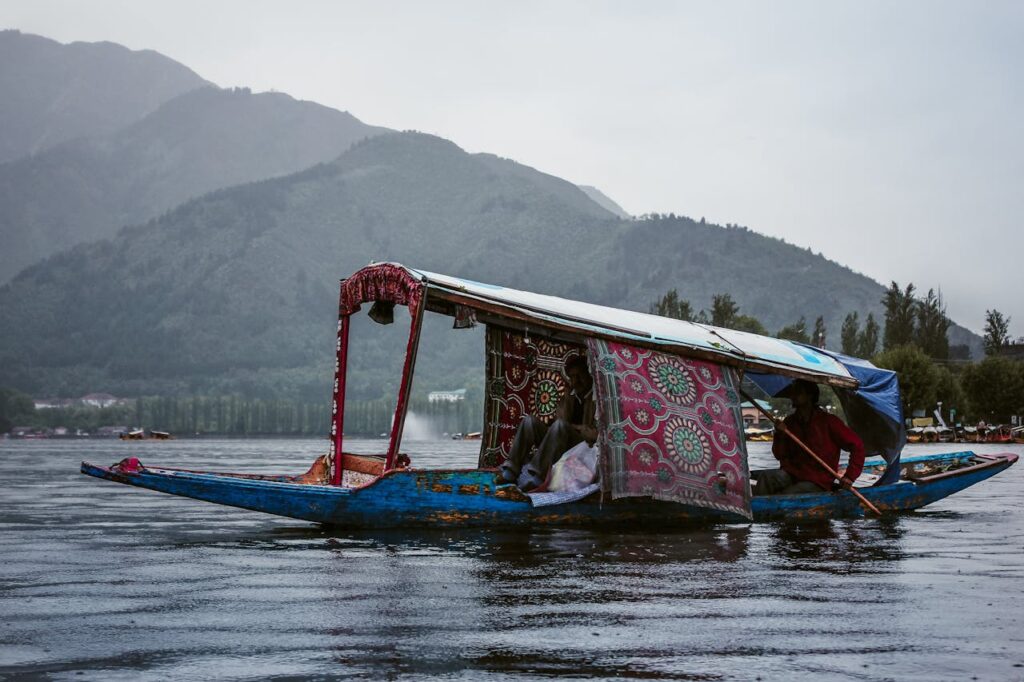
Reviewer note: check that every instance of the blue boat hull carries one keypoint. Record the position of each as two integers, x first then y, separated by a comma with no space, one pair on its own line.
461,498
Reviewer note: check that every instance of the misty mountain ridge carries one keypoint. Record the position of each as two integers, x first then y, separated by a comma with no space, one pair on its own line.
51,92
604,201
205,139
237,291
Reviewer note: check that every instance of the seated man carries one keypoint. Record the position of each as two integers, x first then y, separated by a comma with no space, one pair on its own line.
574,422
824,433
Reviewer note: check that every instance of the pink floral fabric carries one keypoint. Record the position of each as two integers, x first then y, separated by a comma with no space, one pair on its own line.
671,428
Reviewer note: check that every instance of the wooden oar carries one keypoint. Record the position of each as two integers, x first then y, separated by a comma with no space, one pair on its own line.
849,486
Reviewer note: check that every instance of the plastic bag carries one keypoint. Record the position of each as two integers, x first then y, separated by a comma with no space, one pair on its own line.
575,470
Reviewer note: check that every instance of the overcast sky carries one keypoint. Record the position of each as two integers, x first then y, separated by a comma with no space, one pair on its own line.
887,135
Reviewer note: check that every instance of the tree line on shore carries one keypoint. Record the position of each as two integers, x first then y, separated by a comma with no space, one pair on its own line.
235,415
914,343
912,338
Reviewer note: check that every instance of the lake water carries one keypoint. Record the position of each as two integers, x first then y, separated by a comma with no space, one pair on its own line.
102,581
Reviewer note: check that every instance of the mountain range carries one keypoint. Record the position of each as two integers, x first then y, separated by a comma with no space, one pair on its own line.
205,139
53,92
235,290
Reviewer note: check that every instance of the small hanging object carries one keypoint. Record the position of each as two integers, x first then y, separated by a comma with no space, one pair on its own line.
465,317
382,312
526,334
721,483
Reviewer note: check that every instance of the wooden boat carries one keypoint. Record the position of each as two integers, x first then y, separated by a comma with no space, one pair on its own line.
1000,434
471,497
140,434
756,435
670,430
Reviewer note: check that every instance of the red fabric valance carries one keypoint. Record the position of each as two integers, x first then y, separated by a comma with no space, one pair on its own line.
383,282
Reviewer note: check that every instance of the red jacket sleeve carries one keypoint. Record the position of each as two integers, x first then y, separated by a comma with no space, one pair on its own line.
846,439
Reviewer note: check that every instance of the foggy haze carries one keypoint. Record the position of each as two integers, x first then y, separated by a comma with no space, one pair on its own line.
886,136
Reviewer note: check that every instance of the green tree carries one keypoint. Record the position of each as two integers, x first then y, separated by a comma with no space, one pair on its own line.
670,305
16,409
949,392
795,332
849,334
932,325
820,332
748,323
723,310
960,351
997,331
868,341
995,388
900,313
919,379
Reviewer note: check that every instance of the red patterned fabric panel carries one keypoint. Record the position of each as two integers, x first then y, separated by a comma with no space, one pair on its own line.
525,375
670,428
383,282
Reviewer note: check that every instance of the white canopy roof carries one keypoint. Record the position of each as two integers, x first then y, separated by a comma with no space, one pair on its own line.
727,346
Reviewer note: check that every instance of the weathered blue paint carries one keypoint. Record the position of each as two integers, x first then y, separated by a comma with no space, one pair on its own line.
441,498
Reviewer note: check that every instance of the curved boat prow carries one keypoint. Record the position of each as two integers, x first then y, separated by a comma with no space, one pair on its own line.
280,495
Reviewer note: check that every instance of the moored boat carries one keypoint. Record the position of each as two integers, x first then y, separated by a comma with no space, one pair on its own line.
671,446
140,434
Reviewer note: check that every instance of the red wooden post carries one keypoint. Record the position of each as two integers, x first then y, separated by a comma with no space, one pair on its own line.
403,392
338,408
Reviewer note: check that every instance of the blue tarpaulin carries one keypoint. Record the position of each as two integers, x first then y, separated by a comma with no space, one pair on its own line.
874,410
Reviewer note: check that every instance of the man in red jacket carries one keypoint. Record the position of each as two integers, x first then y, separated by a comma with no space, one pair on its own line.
824,433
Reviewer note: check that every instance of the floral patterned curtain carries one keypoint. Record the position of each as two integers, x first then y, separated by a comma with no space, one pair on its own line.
671,428
525,375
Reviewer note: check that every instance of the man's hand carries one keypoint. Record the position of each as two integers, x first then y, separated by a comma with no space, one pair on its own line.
843,482
589,434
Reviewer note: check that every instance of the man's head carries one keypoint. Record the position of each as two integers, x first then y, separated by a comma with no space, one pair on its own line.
803,393
579,374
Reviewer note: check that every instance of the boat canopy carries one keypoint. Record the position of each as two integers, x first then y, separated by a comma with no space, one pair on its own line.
870,396
873,409
576,320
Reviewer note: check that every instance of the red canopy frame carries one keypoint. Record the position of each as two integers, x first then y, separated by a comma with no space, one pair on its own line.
386,283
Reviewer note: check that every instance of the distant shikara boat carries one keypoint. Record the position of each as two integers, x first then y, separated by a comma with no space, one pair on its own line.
671,447
140,434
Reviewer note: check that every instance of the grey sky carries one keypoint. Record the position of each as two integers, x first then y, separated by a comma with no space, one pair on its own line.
888,136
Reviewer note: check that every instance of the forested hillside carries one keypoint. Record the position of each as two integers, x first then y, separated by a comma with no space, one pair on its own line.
236,291
50,92
208,138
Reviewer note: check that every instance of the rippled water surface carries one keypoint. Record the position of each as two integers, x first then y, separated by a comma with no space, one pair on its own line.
103,581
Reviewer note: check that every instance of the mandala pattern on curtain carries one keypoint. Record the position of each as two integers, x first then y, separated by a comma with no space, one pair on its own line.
671,428
525,375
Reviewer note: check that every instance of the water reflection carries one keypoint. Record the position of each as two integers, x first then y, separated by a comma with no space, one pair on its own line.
540,602
846,545
526,549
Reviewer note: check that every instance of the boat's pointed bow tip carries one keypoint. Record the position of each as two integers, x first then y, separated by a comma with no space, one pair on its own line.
128,465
